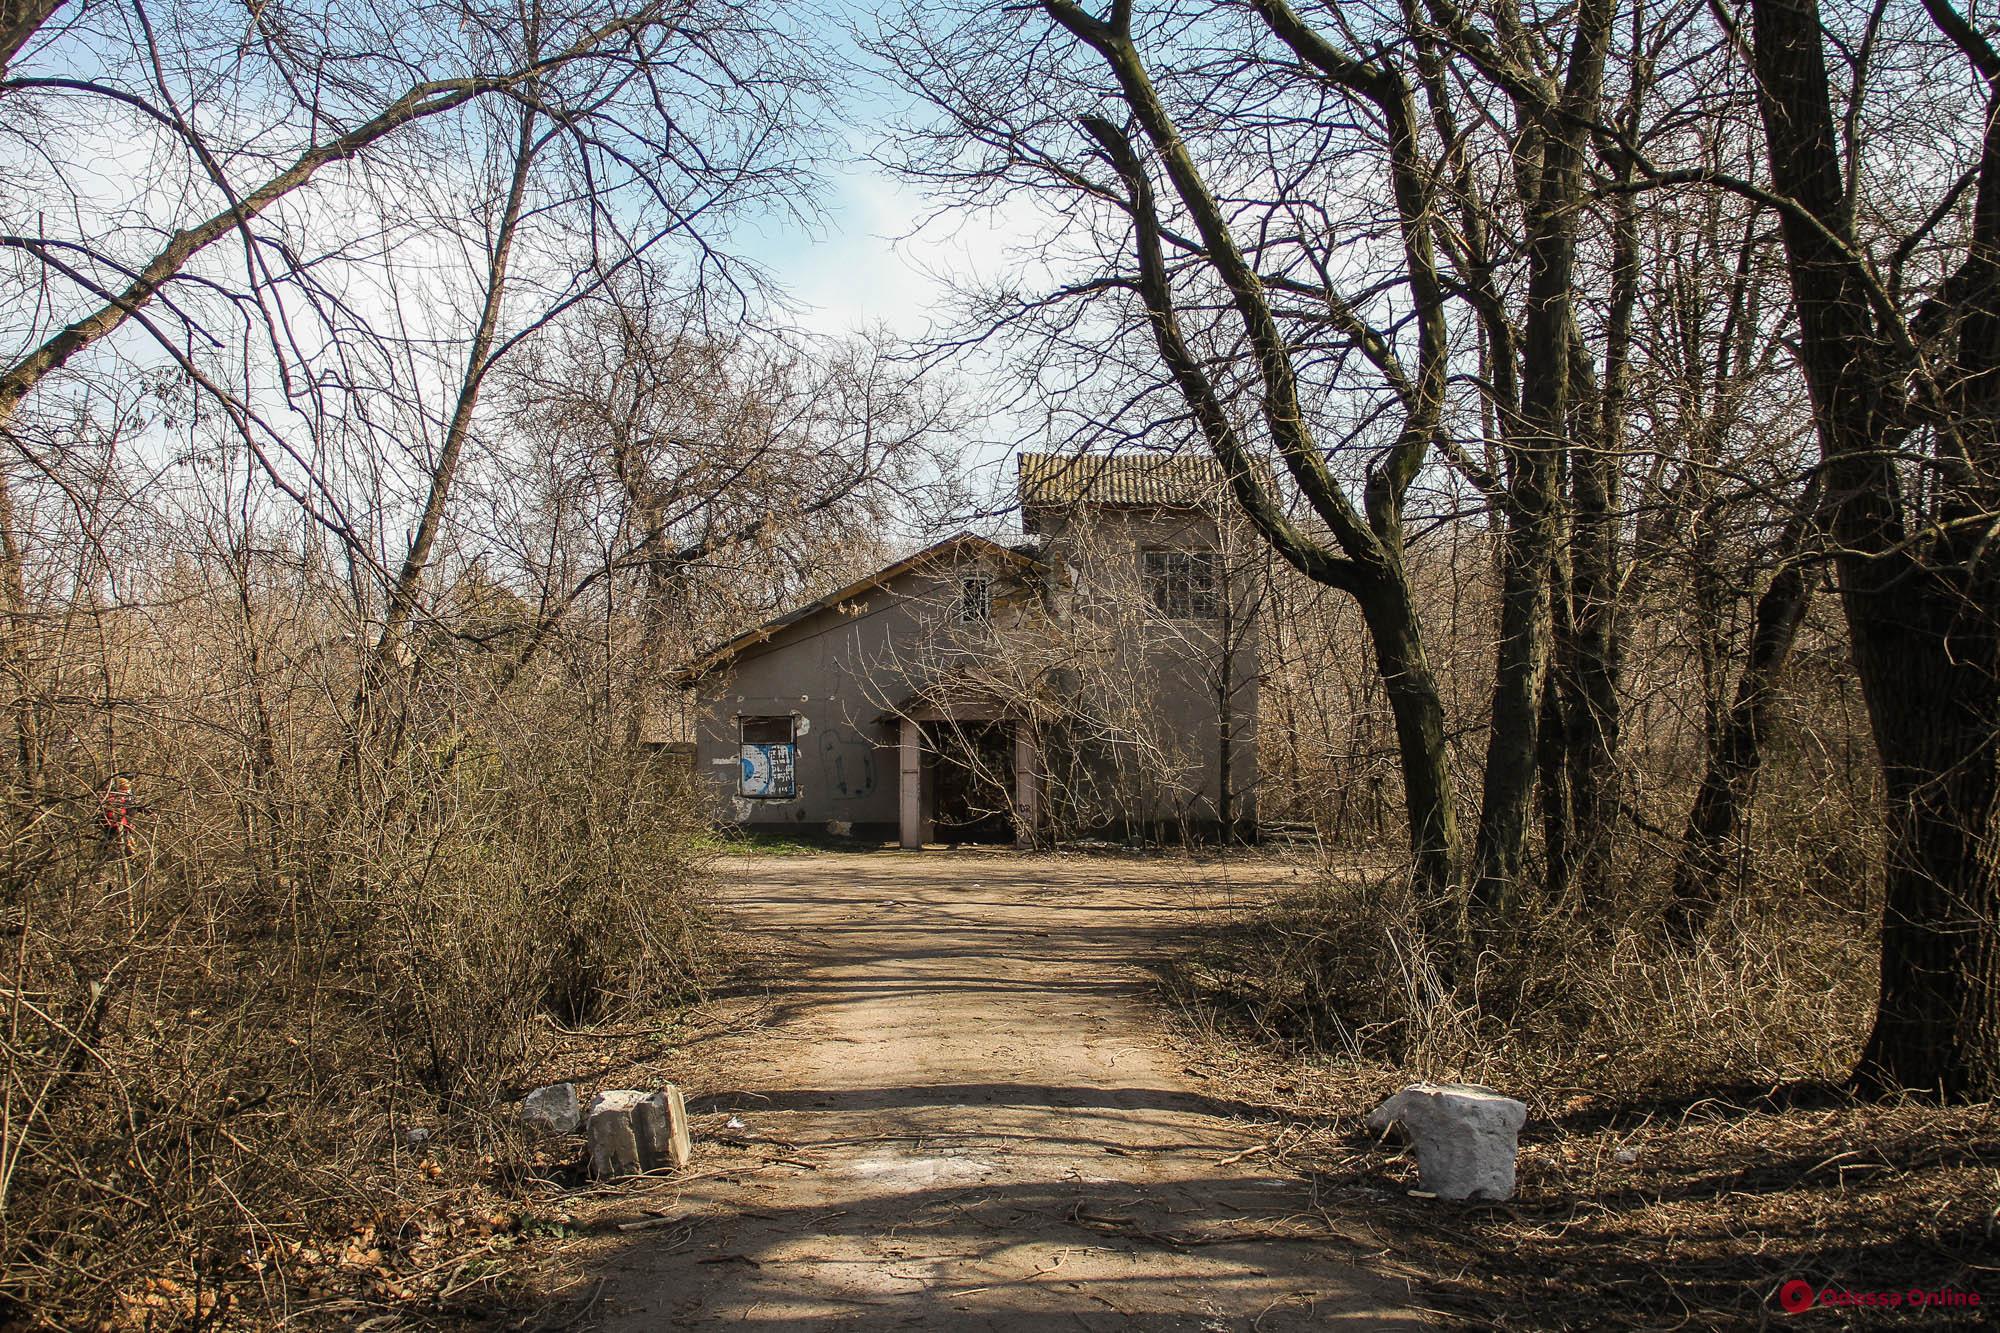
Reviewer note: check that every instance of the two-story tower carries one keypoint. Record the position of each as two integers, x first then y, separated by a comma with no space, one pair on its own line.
1147,556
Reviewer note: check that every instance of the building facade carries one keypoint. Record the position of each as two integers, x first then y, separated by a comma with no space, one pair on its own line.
1096,680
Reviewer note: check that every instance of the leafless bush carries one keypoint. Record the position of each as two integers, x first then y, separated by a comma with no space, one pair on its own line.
1779,991
1778,997
220,1024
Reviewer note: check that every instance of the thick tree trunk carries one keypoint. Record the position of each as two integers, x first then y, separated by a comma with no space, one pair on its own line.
1370,566
1921,616
1596,634
1591,707
1539,438
1418,710
1553,784
375,723
1554,737
1929,675
1511,741
19,21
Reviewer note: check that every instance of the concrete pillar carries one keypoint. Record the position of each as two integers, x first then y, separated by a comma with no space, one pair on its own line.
910,784
1027,785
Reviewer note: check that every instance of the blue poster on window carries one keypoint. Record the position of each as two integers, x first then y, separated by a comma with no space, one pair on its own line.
767,769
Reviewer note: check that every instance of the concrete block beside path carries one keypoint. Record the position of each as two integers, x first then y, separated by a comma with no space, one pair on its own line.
634,1132
1466,1137
552,1110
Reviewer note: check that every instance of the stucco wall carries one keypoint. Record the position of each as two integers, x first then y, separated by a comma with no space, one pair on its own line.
839,671
1173,669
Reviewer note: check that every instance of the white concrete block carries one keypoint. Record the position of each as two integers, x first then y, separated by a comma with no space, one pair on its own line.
634,1132
1466,1137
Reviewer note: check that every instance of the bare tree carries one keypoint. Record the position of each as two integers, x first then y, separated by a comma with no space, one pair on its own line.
740,474
334,94
1900,343
1188,287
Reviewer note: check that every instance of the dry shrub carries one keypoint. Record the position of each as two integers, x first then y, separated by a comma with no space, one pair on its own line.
1689,1149
257,1032
1780,988
1780,991
557,882
1336,968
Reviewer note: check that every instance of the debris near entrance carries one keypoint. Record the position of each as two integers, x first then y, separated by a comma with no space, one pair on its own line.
632,1133
1466,1137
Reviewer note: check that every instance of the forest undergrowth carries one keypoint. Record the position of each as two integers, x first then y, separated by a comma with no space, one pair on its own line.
263,1031
1691,1145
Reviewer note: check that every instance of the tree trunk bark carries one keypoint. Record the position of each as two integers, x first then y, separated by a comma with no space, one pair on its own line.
1596,586
1370,568
1418,711
1937,714
1592,710
1921,617
1552,746
1511,742
19,21
1540,436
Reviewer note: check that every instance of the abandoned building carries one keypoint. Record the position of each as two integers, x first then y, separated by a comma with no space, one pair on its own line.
1098,678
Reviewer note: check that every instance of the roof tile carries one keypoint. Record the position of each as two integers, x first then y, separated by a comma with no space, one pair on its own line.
1169,480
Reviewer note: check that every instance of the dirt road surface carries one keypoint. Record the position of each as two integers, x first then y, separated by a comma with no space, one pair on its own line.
961,1116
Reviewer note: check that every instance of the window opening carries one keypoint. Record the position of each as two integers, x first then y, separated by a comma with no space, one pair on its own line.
1182,585
975,600
769,751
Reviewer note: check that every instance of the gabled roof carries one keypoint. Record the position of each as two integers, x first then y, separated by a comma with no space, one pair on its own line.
949,549
1171,481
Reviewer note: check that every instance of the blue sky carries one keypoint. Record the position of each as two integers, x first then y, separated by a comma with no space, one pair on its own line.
860,265
856,266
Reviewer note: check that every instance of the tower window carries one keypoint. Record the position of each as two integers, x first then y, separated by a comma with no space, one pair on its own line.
1181,585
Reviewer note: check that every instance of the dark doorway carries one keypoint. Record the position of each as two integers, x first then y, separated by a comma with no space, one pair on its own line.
974,778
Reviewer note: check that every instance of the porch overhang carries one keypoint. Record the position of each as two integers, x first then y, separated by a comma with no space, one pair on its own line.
952,706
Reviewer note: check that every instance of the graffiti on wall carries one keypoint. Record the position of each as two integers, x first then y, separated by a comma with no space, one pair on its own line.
768,769
850,764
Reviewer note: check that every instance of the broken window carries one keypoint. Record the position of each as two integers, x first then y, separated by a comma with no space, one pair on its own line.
1181,585
769,750
975,600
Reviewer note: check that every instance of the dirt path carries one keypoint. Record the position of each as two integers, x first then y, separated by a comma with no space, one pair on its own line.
960,1118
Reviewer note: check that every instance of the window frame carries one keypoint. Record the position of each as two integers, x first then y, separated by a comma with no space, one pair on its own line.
971,614
1182,584
789,746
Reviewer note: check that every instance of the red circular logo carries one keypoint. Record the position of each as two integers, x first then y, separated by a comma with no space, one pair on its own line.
1796,1296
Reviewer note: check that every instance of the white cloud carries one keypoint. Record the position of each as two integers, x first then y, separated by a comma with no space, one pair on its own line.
872,264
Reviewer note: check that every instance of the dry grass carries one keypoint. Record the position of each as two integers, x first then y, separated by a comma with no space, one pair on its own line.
1689,1146
312,1201
256,1063
257,1128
